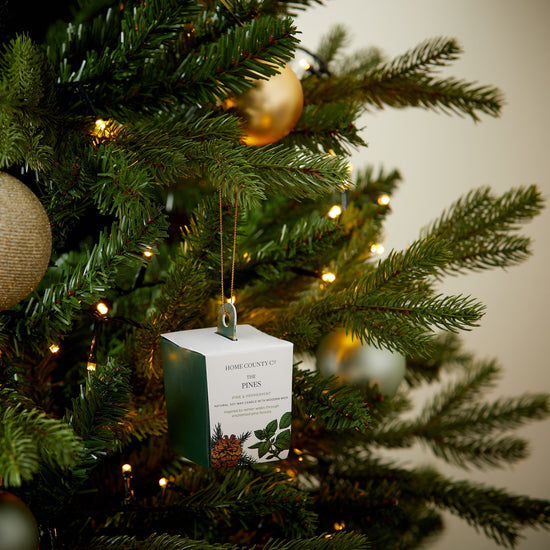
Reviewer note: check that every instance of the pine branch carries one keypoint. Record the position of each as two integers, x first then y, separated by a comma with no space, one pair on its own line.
401,270
372,184
446,353
96,413
237,57
154,542
448,96
335,541
28,114
28,437
436,52
477,227
334,405
499,515
332,43
328,126
460,430
227,498
143,420
407,82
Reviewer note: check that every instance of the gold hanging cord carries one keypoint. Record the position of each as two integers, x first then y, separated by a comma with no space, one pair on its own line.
234,248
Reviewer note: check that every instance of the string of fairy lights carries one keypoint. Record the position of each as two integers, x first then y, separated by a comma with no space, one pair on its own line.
105,130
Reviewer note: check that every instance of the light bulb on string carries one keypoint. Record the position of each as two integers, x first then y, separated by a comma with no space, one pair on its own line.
102,308
163,483
305,64
54,348
105,129
328,277
377,248
92,361
127,481
383,200
100,126
335,211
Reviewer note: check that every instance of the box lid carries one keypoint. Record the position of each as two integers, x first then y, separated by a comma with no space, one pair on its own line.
208,342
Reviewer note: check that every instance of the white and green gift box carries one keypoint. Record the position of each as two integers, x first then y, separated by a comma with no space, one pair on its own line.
228,395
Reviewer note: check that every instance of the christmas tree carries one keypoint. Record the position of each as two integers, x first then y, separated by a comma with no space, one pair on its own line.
128,127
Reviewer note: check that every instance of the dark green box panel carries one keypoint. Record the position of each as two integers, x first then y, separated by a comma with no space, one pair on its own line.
186,394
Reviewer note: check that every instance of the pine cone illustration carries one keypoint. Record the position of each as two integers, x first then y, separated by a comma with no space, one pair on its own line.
227,452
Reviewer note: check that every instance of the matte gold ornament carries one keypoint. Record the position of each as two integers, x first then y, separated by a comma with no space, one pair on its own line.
271,109
25,241
346,357
18,528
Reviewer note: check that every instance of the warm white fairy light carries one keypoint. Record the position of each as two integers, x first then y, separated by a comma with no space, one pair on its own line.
91,366
126,468
102,308
328,277
54,348
163,482
377,248
305,64
147,253
384,200
335,211
100,125
339,525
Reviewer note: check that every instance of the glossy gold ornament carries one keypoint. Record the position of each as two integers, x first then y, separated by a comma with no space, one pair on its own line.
346,357
25,241
271,109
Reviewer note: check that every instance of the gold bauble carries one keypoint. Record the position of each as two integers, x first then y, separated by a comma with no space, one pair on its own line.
271,109
348,358
25,241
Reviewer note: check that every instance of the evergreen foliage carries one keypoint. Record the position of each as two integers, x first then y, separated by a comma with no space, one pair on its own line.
135,208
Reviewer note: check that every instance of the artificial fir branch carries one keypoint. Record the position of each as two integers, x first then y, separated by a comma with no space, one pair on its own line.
407,81
329,403
28,112
29,437
328,127
336,541
427,55
459,429
96,413
480,228
159,71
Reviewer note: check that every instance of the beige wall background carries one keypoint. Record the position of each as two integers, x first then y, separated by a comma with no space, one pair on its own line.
507,44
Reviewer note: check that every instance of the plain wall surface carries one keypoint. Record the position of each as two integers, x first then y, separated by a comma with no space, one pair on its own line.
506,43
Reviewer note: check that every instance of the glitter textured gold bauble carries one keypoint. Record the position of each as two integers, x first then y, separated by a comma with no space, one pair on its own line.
25,241
271,109
346,357
18,528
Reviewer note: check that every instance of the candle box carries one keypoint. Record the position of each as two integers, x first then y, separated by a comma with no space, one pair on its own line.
228,401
